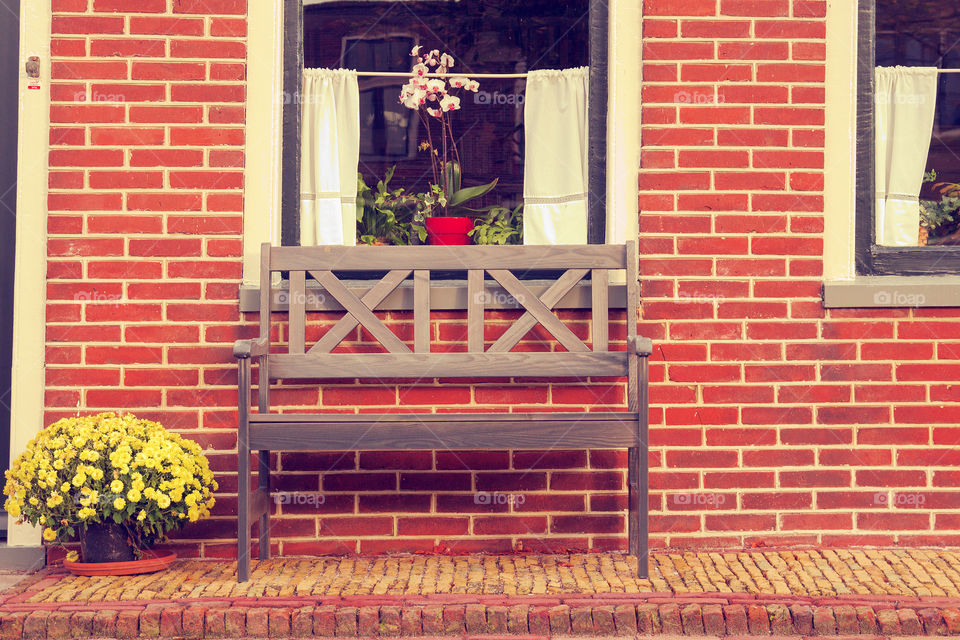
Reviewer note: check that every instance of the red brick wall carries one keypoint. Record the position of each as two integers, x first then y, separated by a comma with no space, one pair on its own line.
773,420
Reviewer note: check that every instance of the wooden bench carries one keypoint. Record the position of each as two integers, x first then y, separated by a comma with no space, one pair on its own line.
265,432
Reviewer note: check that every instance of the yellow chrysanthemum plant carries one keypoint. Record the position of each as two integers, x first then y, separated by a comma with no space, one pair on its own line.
81,475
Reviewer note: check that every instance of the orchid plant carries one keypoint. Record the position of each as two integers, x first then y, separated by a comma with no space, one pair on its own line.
431,93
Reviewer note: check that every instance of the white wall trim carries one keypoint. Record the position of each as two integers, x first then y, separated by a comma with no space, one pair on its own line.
265,99
840,181
29,296
623,120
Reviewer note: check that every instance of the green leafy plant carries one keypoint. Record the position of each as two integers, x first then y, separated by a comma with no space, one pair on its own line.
500,226
389,216
939,216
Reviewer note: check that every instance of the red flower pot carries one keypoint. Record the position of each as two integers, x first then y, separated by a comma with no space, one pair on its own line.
453,230
151,562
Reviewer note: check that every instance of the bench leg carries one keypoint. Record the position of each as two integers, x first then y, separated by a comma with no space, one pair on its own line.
263,481
243,477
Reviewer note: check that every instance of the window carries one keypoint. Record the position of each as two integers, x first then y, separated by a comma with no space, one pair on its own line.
908,129
489,36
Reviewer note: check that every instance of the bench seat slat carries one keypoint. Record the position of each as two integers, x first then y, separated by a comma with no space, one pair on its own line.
389,432
448,365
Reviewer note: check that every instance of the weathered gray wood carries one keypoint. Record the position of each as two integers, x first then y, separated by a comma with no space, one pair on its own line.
421,311
297,316
475,305
427,418
266,311
538,310
448,365
527,321
600,308
259,503
633,290
448,258
359,311
373,297
384,432
243,469
263,484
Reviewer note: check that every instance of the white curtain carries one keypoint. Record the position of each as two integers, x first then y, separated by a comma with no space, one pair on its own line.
330,156
555,170
905,101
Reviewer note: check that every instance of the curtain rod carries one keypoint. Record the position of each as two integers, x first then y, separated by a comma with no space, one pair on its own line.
408,74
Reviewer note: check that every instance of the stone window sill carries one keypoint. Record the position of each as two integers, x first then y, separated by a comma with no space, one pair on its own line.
892,292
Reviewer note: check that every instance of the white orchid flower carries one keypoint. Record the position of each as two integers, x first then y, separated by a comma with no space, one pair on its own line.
420,69
434,112
446,60
436,85
458,82
450,103
415,51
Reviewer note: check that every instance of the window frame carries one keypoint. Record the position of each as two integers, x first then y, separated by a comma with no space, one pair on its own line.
870,258
598,29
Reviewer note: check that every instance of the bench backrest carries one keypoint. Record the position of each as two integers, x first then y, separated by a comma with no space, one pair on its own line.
321,361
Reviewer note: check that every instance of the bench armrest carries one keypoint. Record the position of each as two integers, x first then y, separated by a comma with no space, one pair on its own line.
642,346
243,349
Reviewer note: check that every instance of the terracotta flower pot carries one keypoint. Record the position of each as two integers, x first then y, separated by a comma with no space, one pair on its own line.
452,230
151,562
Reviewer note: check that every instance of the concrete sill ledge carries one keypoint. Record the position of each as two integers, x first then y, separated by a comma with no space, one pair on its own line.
448,295
892,292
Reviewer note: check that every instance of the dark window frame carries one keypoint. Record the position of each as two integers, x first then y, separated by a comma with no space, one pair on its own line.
871,259
291,148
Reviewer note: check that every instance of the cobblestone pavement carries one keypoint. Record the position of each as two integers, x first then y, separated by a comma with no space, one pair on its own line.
832,592
906,572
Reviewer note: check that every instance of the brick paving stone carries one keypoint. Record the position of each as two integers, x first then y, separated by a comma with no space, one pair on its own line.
846,617
171,622
257,623
128,624
758,620
105,624
301,622
193,621
11,624
235,622
497,620
951,618
538,621
454,622
824,622
324,621
559,620
368,621
410,624
649,621
735,616
58,625
603,623
780,622
81,624
692,619
625,619
713,620
802,619
931,620
432,621
670,623
889,622
35,626
867,621
278,622
517,619
390,621
149,622
475,619
910,624
581,620
346,622
214,623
